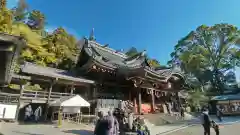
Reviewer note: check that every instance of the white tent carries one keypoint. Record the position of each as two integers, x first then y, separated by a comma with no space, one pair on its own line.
71,101
71,105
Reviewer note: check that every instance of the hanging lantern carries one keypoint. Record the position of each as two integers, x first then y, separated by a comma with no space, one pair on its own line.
169,85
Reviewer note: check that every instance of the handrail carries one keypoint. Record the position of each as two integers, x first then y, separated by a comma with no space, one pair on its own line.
10,98
43,94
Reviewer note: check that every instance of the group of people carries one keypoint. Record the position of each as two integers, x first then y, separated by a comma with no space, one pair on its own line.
119,122
30,115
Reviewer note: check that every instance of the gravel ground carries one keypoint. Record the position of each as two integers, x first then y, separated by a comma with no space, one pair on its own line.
233,129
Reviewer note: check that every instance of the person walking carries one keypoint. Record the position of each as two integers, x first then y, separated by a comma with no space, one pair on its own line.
206,122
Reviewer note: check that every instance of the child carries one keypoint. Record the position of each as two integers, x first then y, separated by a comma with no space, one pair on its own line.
215,127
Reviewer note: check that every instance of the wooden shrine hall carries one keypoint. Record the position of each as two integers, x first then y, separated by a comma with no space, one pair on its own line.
104,77
55,84
132,79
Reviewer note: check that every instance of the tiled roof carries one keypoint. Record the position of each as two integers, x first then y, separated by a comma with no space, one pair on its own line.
227,97
112,59
34,69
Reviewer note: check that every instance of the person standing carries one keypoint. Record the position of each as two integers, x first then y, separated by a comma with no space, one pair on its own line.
38,113
114,126
206,122
28,113
219,114
130,121
182,112
101,127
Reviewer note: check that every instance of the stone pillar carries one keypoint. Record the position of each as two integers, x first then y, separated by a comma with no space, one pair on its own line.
153,101
139,100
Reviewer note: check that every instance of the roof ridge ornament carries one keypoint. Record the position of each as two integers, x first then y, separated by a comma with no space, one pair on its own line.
91,36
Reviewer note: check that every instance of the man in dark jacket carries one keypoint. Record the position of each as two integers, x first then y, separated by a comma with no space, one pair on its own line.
102,125
206,122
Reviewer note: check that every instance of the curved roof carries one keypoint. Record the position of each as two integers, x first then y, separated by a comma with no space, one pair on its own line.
112,59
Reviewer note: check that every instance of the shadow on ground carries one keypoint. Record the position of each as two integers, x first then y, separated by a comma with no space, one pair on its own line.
35,123
25,133
79,132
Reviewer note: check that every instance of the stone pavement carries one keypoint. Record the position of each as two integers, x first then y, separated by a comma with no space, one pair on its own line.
232,129
74,129
158,130
155,130
44,129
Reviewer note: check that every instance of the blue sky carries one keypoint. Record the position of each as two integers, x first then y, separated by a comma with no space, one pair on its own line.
154,25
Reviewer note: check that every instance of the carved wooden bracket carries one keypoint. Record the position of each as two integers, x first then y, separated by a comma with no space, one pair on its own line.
156,85
137,82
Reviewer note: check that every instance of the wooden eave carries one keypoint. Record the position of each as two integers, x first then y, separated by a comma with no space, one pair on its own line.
47,74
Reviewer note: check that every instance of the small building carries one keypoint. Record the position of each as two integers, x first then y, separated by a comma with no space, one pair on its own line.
229,104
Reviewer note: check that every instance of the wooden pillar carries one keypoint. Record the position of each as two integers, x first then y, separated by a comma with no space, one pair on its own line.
130,95
72,90
153,100
139,101
19,102
178,100
48,99
135,105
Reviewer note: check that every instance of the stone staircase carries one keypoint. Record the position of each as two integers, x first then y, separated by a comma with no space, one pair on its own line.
163,119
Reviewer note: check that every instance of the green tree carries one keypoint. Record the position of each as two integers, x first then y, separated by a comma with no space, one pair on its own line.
132,51
196,97
64,46
20,11
5,18
152,62
36,20
208,52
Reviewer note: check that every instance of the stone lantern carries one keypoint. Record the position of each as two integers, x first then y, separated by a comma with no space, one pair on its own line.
10,48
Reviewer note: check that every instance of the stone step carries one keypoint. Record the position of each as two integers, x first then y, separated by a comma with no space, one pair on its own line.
162,119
